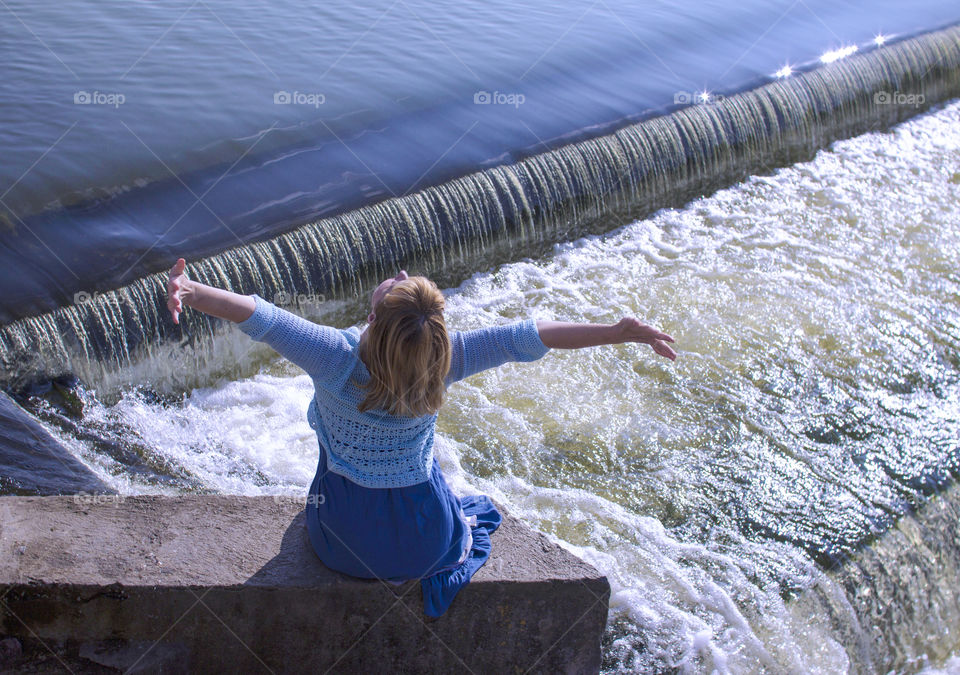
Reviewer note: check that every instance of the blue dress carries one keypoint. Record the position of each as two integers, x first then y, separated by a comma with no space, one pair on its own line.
379,506
413,532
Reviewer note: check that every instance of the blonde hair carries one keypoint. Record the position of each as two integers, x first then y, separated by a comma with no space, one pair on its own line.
407,350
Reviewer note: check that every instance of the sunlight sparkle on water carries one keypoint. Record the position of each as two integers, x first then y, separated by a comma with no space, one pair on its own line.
837,54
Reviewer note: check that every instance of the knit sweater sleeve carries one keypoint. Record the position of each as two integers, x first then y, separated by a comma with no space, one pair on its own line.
322,351
477,350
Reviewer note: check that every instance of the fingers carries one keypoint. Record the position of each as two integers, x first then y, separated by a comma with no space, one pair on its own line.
656,333
663,349
175,313
641,332
173,289
175,306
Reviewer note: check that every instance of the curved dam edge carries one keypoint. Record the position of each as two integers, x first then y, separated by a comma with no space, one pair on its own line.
230,584
896,602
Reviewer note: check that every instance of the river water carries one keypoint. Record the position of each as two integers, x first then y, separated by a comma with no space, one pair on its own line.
815,399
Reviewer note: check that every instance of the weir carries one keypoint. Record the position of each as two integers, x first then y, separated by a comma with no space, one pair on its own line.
896,603
509,211
848,462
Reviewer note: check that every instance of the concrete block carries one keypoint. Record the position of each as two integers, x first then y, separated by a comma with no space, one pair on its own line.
230,584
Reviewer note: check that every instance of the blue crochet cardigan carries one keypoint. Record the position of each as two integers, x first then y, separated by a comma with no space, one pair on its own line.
374,448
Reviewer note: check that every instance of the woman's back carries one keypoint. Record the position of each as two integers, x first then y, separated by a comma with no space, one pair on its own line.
375,448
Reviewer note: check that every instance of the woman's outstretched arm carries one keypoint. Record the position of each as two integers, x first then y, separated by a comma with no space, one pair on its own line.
528,340
322,351
214,301
561,335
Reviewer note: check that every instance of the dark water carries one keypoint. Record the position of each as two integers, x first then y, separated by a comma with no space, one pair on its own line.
183,149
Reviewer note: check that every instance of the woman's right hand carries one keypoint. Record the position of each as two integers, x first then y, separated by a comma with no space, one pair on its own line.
175,286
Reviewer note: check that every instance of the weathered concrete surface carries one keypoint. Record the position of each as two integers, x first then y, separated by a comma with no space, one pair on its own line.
230,584
33,462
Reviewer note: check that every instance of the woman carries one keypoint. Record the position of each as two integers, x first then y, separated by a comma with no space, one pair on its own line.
379,506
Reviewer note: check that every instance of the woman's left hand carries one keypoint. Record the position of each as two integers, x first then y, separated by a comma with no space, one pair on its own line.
632,330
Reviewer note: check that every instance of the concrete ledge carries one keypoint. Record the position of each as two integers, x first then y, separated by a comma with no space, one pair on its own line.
223,583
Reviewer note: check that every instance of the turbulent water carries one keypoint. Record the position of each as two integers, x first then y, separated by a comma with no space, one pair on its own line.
779,499
815,399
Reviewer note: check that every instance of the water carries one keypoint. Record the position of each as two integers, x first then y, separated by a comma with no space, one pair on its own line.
780,499
197,156
727,496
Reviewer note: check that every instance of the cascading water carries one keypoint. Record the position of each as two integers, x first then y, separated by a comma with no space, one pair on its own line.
740,500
